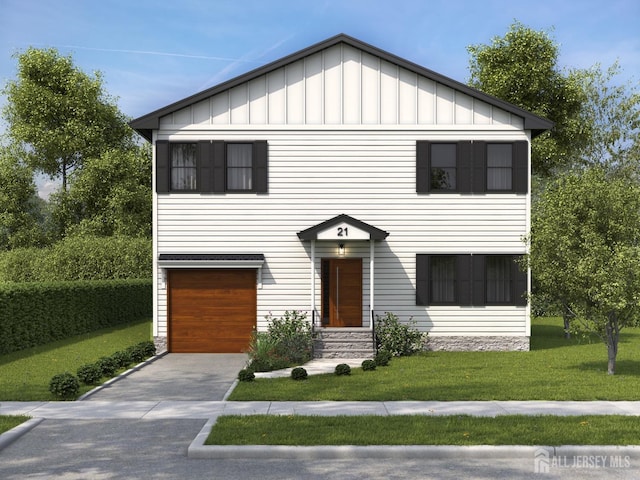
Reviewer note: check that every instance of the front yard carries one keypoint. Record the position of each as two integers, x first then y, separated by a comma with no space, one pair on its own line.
554,369
25,375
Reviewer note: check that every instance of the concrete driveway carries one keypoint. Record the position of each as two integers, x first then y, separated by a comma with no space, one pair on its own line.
176,376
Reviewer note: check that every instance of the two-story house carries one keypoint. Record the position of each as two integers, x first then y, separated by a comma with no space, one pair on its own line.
345,182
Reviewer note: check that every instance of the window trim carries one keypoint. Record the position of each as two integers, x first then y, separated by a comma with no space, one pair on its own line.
471,281
211,175
471,167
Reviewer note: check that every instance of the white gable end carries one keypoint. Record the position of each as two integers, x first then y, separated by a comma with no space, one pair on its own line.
341,85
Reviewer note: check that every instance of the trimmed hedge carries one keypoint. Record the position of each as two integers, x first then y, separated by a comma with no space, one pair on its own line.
33,314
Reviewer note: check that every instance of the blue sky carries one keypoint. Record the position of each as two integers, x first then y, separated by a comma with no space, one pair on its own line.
154,52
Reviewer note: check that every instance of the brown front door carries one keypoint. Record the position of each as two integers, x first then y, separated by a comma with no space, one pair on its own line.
342,292
211,311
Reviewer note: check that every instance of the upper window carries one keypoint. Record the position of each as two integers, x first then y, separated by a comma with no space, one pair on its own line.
239,166
443,166
499,166
472,167
183,166
211,167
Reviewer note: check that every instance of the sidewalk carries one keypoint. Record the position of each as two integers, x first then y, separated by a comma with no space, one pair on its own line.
207,410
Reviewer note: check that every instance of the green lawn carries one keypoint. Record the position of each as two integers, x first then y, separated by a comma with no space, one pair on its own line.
554,369
7,422
25,375
425,430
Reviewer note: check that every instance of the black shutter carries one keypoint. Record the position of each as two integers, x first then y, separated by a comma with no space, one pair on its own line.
464,163
479,167
521,167
423,167
260,166
205,167
519,283
464,280
422,280
163,166
219,178
478,263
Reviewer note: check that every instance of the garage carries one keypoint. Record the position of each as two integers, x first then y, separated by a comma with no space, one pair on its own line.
211,310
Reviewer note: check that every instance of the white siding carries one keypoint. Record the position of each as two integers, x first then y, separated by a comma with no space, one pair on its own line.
341,86
316,174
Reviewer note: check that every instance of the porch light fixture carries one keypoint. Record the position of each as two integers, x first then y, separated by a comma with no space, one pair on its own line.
341,249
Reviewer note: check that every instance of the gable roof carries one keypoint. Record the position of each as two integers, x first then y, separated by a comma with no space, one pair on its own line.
311,233
147,123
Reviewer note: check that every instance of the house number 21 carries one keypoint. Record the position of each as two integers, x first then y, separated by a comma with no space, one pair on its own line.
343,232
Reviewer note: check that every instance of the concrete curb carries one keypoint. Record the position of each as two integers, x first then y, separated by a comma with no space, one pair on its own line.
7,438
198,449
124,374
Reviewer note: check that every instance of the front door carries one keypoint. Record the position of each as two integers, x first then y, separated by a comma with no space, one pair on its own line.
342,292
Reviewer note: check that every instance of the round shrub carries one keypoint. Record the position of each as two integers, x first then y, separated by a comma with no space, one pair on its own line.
107,366
89,374
136,352
369,365
246,375
64,385
299,373
382,358
343,369
148,347
122,359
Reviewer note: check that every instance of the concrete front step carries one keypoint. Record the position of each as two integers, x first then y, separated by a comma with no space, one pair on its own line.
343,343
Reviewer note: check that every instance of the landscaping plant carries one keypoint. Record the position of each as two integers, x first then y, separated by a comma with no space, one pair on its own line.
343,369
286,342
64,385
398,338
299,373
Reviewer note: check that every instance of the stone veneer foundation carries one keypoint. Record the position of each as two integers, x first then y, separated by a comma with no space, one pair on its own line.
161,344
477,344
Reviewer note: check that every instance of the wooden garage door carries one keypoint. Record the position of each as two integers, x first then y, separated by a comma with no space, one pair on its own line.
211,311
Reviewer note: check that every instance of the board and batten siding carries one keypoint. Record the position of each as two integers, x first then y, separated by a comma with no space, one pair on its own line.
341,85
368,173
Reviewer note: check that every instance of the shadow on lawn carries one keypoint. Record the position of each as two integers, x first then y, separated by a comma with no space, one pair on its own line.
623,367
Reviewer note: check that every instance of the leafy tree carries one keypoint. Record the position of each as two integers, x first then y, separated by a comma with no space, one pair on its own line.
614,111
585,251
111,195
522,68
20,206
59,115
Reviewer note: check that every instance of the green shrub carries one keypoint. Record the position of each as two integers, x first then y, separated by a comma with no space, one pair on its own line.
397,338
121,358
136,353
148,348
246,375
299,373
286,342
33,314
107,366
64,385
368,365
343,369
79,258
89,374
382,358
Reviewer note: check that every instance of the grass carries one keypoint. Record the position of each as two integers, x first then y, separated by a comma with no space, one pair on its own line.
7,422
25,375
554,369
425,430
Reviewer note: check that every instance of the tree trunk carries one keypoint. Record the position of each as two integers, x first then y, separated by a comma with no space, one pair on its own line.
567,326
613,334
